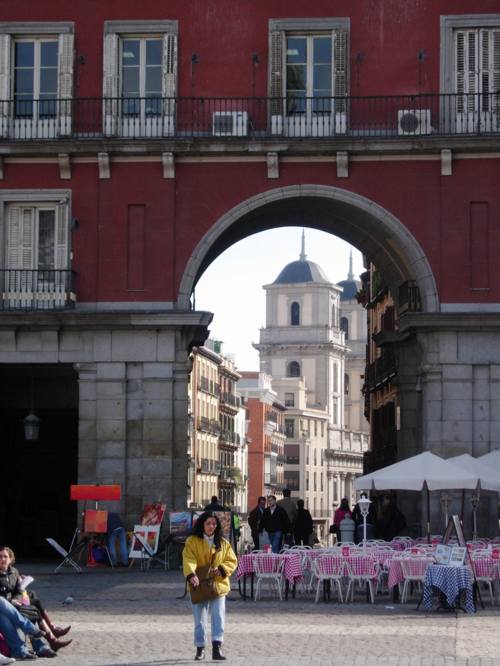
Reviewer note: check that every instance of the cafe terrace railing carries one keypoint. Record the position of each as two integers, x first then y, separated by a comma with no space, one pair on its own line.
378,117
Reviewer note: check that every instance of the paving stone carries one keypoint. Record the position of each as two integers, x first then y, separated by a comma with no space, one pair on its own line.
131,618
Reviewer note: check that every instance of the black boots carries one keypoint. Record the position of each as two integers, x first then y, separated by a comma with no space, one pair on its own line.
216,653
200,654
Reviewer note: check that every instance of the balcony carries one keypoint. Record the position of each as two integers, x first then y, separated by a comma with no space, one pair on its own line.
381,371
229,437
409,298
380,117
229,399
36,289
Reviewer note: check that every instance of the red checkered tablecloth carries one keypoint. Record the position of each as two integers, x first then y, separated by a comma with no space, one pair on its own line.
292,569
486,567
395,571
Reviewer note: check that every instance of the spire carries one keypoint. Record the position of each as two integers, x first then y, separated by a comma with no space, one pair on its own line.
350,275
303,255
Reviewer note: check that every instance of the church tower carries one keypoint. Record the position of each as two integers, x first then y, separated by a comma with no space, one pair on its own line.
303,348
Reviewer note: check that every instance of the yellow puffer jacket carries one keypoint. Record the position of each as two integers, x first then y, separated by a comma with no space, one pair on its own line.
198,553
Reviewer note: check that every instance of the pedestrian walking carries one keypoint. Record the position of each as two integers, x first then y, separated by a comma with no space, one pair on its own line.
303,528
208,562
275,522
254,518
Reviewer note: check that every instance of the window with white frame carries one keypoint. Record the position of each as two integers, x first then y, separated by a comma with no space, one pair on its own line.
308,76
35,259
36,79
470,72
140,77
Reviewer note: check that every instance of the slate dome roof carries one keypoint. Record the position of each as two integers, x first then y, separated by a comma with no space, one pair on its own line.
301,271
350,287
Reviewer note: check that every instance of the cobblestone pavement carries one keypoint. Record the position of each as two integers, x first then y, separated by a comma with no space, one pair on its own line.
131,617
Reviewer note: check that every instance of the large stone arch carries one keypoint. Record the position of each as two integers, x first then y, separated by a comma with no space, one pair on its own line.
356,219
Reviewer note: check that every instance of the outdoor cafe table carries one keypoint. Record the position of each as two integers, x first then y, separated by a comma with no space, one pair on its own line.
292,568
450,582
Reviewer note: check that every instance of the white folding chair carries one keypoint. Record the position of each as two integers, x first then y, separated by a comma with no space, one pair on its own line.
485,571
328,568
67,555
414,568
362,569
268,567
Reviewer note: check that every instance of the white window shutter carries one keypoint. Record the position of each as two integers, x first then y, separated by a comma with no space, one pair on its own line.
62,235
110,83
169,81
340,69
5,83
65,93
14,237
496,71
277,69
27,235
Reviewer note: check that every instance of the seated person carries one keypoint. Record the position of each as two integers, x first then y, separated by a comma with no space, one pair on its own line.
117,531
29,606
10,621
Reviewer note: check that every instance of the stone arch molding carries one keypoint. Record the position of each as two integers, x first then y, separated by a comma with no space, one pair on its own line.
358,220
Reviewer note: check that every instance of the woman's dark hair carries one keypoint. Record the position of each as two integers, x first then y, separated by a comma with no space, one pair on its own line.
344,504
200,523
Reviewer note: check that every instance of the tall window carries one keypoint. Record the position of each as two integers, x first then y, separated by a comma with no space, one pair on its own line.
36,238
295,314
289,427
293,369
477,71
308,76
289,399
309,73
35,77
344,326
141,76
346,384
36,73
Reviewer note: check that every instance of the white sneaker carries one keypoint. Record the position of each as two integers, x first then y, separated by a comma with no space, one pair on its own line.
6,660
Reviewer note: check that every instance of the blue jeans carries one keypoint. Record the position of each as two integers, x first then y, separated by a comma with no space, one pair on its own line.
275,539
10,621
122,538
218,615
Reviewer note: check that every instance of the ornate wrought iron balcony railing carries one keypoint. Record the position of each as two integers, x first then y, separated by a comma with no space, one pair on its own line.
26,289
380,117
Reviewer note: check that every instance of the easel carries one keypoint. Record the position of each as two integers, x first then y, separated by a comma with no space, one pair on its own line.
85,493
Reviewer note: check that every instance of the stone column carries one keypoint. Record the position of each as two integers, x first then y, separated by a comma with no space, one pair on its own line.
87,417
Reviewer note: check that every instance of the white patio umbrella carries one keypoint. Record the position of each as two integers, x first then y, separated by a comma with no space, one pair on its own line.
425,470
489,479
492,459
413,473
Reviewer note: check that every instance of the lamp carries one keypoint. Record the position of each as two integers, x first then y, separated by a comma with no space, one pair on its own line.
31,423
474,500
364,507
445,503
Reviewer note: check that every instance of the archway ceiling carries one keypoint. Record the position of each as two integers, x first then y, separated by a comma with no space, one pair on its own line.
352,224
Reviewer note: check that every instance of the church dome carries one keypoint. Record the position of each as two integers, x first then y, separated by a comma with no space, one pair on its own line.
350,287
302,270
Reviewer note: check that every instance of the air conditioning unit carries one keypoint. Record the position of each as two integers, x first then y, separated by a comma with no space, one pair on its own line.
230,123
413,122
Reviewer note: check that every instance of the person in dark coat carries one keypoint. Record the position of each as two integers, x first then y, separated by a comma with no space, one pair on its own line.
303,527
391,521
254,518
215,505
275,522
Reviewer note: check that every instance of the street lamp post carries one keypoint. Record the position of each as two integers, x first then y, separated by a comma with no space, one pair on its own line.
364,508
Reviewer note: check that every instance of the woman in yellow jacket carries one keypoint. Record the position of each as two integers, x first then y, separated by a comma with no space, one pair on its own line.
205,547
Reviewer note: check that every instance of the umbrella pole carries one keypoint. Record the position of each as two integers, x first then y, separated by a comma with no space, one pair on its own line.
462,509
428,514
